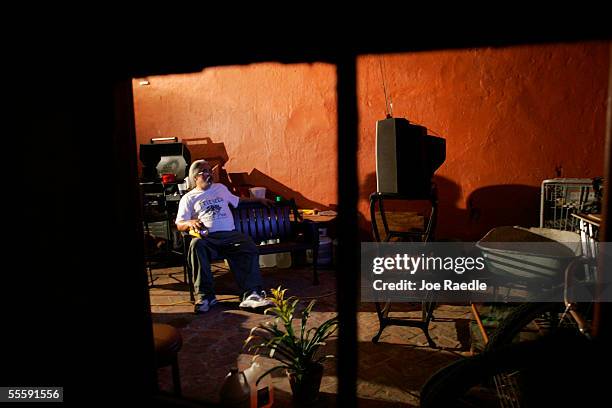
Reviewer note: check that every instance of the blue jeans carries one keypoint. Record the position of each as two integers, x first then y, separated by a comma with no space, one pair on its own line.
241,254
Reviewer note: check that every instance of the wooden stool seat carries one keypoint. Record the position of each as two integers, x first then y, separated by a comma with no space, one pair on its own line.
168,342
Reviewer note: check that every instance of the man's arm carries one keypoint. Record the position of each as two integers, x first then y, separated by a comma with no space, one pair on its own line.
185,226
184,215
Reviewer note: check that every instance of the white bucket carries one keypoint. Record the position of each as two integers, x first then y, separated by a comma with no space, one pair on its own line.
257,192
269,260
182,187
325,249
283,260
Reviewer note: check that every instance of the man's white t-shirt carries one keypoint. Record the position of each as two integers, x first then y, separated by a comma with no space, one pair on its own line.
209,206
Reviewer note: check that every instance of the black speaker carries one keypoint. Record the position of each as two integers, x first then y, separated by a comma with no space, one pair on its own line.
406,158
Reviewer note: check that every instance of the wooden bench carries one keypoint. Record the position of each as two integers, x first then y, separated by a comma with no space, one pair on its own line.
281,221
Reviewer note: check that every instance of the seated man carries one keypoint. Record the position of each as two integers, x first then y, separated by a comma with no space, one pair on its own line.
205,211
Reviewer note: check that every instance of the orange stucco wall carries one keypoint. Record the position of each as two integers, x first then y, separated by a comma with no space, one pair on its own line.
511,118
276,121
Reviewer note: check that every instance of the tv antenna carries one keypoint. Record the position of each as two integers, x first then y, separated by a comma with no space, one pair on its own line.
388,102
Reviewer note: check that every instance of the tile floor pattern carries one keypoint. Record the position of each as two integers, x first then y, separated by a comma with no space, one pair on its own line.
390,374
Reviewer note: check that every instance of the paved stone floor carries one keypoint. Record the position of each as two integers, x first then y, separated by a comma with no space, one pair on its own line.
390,373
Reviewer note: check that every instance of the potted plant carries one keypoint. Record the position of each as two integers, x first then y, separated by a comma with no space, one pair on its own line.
294,348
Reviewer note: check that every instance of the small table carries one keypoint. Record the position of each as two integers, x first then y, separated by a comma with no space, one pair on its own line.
329,223
322,221
319,219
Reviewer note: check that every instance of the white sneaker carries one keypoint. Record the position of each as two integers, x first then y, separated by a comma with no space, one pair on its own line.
204,305
256,300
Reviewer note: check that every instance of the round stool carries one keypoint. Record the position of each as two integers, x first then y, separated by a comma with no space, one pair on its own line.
168,342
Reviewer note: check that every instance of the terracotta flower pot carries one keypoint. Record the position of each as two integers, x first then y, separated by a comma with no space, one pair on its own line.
306,392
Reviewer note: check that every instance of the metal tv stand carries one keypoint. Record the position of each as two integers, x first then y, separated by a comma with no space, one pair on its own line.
423,234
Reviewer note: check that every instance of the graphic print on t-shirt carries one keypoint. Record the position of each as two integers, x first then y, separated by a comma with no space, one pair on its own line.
211,210
210,206
214,209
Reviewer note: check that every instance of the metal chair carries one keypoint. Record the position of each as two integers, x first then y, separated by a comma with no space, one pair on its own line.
160,211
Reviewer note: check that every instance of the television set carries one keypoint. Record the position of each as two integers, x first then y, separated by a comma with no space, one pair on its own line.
406,158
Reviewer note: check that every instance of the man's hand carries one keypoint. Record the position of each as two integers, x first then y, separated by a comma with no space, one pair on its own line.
195,224
190,225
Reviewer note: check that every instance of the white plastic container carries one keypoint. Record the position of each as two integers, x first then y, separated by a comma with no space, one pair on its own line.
325,249
283,260
262,394
257,192
235,391
268,260
182,187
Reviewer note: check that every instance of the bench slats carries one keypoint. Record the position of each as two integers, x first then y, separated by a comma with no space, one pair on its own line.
259,223
274,222
285,221
263,223
270,221
252,225
237,220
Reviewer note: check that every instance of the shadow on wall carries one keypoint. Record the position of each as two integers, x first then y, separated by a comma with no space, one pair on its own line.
487,207
216,154
241,182
493,206
452,220
448,211
213,152
366,187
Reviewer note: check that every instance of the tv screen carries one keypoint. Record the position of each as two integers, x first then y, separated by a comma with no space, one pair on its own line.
406,157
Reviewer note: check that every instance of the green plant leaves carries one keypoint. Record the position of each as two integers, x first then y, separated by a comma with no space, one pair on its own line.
277,338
